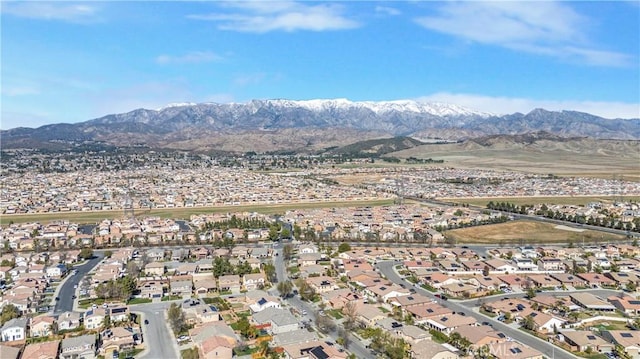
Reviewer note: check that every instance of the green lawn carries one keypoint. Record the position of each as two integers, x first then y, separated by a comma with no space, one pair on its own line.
139,301
334,313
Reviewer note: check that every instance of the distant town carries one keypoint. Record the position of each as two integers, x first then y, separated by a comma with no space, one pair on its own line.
281,256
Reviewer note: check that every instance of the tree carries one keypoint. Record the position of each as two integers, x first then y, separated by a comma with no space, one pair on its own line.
343,337
350,311
8,312
285,288
221,266
325,323
86,253
133,269
285,233
531,292
108,254
270,271
485,270
176,318
344,247
631,286
287,251
529,323
305,290
106,322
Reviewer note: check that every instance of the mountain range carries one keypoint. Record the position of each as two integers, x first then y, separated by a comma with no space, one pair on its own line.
271,125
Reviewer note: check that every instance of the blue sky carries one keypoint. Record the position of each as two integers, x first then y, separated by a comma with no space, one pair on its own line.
74,61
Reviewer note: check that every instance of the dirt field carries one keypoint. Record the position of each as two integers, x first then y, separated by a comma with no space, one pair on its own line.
523,232
600,159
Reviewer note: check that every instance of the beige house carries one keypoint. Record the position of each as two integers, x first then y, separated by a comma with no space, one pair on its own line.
427,349
155,269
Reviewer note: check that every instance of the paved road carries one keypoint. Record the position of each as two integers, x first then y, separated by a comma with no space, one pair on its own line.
355,346
67,290
160,343
548,349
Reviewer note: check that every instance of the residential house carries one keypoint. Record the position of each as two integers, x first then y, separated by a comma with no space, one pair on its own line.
119,313
254,281
7,352
421,313
264,303
627,305
276,320
550,264
216,347
384,292
546,323
428,349
117,339
480,336
41,326
14,330
83,347
369,314
152,288
155,254
230,283
307,259
56,271
448,323
204,284
514,350
43,350
155,269
596,279
181,285
322,284
590,301
94,318
569,280
68,321
197,311
628,340
582,340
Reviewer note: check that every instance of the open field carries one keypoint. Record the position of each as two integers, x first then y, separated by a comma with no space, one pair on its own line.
576,158
521,232
181,213
573,200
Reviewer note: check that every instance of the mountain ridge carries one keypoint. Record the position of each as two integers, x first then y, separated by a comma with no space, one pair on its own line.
206,124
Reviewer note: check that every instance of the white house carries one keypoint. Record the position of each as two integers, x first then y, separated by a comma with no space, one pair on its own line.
14,329
56,271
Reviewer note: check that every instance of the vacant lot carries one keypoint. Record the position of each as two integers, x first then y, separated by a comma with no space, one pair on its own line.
177,213
523,232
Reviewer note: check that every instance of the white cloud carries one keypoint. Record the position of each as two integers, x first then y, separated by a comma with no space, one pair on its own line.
545,28
189,58
249,79
266,16
61,11
19,90
507,105
387,10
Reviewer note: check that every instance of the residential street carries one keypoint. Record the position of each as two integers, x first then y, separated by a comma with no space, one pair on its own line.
158,339
548,349
67,288
356,347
